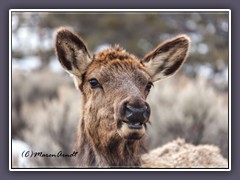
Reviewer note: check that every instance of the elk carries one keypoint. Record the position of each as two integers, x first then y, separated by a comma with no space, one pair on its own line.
114,85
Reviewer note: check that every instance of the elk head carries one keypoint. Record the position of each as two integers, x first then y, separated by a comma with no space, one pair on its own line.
115,84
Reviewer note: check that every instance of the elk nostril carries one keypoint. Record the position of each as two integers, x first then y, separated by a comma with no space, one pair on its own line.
128,113
146,113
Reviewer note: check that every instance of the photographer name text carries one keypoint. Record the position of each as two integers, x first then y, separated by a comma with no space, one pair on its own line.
32,154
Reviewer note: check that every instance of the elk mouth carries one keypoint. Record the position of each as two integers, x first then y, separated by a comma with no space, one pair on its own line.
134,125
131,130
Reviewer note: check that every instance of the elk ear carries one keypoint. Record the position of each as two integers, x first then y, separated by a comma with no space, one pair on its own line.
167,57
72,53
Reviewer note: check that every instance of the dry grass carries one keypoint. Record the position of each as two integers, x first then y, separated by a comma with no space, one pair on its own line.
179,154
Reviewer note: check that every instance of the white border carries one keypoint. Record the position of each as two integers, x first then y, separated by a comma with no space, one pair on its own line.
230,91
114,11
118,10
10,89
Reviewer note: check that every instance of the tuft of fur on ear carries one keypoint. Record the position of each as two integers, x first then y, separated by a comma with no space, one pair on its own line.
167,57
72,53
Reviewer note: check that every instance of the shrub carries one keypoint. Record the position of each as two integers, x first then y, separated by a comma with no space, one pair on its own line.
188,109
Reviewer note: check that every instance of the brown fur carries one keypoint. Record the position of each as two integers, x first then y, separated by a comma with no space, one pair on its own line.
108,148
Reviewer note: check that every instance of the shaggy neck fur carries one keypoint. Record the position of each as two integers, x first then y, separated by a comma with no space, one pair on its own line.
110,151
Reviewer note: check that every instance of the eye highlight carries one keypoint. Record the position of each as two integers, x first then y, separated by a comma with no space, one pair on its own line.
94,83
149,86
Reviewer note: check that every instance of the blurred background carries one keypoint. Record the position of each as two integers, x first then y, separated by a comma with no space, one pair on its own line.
46,106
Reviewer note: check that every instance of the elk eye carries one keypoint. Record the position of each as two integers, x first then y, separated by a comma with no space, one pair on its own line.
94,83
149,86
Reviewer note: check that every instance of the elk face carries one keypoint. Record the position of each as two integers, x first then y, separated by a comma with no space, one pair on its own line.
115,84
119,83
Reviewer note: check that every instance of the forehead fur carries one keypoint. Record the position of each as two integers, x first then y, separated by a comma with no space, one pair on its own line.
116,56
112,54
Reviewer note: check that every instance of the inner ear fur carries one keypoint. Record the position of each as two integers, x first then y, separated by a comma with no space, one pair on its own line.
167,57
71,52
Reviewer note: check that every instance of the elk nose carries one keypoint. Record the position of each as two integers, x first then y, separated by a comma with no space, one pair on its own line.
137,114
